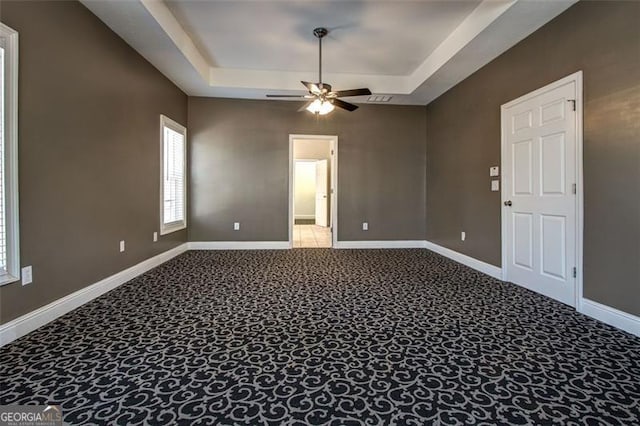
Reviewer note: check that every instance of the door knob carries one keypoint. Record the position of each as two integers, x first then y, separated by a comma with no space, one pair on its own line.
508,203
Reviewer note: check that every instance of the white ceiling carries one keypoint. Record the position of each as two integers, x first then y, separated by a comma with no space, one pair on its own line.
414,50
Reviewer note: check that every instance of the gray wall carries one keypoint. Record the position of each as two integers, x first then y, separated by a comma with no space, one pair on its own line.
239,169
89,109
463,141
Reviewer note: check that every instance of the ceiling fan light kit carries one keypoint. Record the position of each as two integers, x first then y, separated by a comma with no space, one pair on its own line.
320,107
323,100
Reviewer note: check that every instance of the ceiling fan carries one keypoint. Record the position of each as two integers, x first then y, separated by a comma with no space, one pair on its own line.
322,99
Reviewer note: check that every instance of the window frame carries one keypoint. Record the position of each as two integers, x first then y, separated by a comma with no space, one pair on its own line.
10,127
177,127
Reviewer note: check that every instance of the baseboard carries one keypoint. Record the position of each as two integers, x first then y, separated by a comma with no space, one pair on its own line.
25,324
379,244
612,316
305,216
471,262
239,245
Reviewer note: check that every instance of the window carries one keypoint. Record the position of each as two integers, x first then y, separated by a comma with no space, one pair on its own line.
9,236
173,185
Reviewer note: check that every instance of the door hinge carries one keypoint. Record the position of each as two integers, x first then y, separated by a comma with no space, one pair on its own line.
331,152
574,189
332,190
575,272
573,104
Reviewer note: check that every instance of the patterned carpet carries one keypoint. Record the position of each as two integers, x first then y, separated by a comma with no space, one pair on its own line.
325,336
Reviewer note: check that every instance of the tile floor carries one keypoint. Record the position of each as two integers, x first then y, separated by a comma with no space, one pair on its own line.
311,236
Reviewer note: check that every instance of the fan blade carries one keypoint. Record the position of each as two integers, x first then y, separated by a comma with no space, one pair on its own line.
344,105
286,96
313,88
353,92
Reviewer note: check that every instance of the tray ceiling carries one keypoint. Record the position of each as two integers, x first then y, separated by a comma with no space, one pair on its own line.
413,50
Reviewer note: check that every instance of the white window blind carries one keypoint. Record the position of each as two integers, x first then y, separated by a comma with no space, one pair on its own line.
173,209
9,235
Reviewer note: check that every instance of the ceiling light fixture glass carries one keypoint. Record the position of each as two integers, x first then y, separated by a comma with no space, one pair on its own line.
320,106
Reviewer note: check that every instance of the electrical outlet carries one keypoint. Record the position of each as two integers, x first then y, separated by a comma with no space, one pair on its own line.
27,275
463,236
365,226
155,237
121,246
236,226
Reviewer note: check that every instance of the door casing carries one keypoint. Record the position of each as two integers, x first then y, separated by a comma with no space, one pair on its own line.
333,146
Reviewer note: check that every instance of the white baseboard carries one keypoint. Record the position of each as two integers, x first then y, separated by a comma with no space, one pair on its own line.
471,262
239,245
25,324
608,315
379,244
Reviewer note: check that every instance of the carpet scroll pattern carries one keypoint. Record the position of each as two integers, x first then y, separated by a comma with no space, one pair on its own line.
321,336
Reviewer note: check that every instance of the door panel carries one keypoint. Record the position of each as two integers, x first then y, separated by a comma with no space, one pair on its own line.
552,111
523,120
552,164
523,240
539,144
522,168
553,234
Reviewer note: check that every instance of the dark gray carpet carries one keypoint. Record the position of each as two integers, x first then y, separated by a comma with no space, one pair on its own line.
325,337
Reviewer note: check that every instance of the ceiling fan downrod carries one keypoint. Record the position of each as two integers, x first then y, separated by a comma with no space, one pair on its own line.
320,32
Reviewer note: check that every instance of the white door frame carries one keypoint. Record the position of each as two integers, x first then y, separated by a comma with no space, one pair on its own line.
579,200
333,146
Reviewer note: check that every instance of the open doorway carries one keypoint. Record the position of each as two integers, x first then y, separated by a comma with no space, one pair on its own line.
312,190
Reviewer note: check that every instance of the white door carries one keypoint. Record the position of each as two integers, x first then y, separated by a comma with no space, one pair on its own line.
322,201
539,177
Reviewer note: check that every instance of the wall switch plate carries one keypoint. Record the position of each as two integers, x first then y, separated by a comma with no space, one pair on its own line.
155,237
365,226
121,246
463,236
495,185
27,275
236,226
494,171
